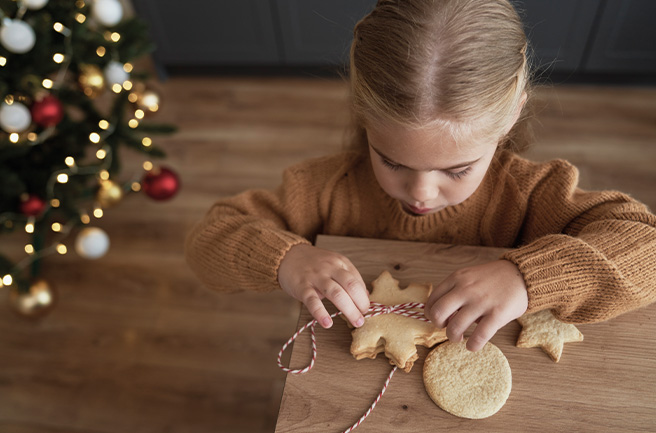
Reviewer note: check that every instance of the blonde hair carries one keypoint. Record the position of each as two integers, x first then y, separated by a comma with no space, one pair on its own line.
459,65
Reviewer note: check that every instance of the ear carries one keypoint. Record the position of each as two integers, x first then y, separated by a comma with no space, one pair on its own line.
520,107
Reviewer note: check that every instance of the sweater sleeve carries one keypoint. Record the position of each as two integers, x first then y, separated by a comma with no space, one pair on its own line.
588,256
241,241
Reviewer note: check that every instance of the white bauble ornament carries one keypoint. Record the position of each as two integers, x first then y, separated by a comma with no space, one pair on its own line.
15,117
107,12
17,36
92,243
35,4
115,74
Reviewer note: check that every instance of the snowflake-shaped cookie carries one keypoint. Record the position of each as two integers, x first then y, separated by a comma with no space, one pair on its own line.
393,334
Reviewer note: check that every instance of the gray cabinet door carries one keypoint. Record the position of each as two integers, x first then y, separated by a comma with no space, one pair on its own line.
626,38
217,32
319,32
558,31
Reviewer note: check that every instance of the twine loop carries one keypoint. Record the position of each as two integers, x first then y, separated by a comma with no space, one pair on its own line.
413,310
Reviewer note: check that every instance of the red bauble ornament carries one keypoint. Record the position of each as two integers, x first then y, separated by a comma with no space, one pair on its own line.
48,111
160,184
32,206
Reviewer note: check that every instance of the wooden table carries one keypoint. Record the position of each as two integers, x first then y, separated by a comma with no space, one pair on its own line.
607,383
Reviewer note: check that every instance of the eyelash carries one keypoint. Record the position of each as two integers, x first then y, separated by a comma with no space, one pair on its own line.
454,176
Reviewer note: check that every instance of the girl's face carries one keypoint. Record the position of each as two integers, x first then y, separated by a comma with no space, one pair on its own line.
425,169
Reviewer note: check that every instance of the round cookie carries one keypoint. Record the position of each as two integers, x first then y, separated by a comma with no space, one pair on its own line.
467,384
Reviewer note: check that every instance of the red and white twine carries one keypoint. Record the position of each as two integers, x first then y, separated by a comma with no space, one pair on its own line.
406,310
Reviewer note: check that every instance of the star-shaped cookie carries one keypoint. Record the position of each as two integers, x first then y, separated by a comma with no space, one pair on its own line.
544,330
391,333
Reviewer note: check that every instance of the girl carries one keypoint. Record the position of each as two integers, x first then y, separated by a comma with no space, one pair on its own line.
438,90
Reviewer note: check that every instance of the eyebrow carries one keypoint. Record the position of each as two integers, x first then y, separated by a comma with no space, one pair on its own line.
453,167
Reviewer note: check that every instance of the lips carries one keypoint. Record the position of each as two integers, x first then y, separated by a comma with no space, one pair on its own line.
418,210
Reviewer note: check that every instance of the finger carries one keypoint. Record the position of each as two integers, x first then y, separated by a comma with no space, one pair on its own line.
460,322
317,309
485,330
352,282
438,292
341,299
443,308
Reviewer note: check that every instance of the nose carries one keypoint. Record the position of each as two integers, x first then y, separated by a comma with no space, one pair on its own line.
423,187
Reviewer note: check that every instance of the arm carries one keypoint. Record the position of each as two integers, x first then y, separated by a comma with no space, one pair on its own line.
244,241
588,256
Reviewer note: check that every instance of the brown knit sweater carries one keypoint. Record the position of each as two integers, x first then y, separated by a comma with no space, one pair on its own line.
588,256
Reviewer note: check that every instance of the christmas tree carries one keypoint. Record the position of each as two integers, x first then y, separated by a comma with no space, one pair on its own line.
70,101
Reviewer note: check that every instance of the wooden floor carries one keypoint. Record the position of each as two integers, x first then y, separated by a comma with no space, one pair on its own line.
137,345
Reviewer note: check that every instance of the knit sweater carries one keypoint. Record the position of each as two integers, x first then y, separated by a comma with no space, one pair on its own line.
588,256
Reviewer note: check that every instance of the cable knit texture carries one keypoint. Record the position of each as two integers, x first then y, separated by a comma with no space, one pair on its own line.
588,256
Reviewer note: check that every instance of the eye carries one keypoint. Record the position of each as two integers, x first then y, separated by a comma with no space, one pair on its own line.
390,165
458,174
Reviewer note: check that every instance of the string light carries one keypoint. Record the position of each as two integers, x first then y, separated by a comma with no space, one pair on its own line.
136,186
58,57
7,280
133,123
101,51
147,165
94,137
117,88
103,124
62,178
115,37
139,114
147,142
127,85
101,153
9,99
56,227
70,161
29,227
47,83
98,212
133,97
55,203
14,137
29,249
3,60
59,27
85,218
32,136
61,249
127,67
80,18
104,175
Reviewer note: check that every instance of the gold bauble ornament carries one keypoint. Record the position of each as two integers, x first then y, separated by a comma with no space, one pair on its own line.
109,193
148,101
92,80
38,301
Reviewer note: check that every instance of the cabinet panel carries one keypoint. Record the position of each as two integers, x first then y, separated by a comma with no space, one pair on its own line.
558,31
626,38
319,31
199,32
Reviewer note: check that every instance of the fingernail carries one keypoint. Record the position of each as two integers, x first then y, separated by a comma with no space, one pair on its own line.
327,322
359,322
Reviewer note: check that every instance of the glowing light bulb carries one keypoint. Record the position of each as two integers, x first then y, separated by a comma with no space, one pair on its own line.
147,142
147,165
94,137
58,57
70,161
61,249
7,280
62,178
101,153
47,83
56,227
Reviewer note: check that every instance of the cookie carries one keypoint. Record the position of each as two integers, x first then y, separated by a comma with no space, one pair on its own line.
395,335
544,330
467,384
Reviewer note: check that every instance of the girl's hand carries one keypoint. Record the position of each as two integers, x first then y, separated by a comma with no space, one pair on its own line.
310,274
491,295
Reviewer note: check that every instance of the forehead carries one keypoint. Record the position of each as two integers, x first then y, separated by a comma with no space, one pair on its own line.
424,148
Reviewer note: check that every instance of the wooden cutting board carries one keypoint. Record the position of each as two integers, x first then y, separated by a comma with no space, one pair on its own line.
605,383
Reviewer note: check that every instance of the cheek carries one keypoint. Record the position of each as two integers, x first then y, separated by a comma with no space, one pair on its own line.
389,181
